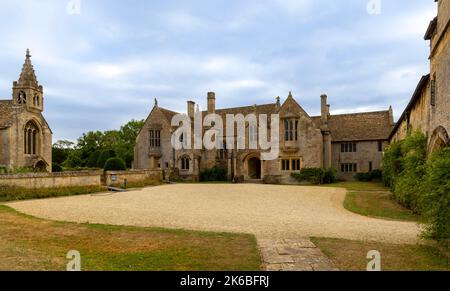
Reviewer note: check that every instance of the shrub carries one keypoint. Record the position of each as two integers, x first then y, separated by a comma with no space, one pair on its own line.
435,198
215,174
392,166
413,160
104,156
329,176
363,177
374,175
56,168
311,175
115,164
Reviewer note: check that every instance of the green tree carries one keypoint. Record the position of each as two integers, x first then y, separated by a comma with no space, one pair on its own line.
61,150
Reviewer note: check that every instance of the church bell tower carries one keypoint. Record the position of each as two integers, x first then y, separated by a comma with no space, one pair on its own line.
26,91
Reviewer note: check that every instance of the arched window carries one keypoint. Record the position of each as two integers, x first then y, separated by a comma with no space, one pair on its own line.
30,138
185,163
22,98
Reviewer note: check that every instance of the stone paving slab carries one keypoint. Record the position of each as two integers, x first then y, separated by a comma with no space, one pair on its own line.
293,255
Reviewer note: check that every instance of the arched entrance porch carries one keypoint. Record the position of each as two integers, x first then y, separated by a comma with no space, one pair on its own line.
254,168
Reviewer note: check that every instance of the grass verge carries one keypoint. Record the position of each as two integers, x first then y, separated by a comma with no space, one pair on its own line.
16,193
28,243
374,200
351,255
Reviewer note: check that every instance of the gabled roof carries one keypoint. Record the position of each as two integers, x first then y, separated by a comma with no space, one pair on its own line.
168,114
5,113
366,126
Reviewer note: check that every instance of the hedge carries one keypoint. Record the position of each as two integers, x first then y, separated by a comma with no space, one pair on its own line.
419,183
115,164
215,174
104,156
316,175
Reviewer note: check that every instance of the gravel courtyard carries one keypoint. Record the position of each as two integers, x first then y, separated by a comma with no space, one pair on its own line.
264,210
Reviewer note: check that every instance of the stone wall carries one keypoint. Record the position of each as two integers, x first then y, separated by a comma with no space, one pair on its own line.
440,69
4,147
72,179
52,180
132,176
367,151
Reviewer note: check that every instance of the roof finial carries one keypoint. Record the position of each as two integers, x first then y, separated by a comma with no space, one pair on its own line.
28,53
156,102
290,94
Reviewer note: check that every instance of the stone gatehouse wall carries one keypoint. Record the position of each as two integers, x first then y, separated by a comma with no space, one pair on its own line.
71,179
52,180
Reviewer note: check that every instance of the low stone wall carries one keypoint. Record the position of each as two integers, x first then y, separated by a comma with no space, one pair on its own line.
52,180
81,178
118,177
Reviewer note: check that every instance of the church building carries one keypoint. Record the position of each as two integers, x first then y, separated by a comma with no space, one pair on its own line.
25,136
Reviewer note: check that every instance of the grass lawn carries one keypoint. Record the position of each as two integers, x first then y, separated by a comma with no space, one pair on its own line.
17,193
374,200
351,255
28,243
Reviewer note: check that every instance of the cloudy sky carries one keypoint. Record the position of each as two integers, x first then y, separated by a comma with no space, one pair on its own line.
105,65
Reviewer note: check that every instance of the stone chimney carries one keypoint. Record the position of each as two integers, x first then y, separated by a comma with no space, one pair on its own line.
211,102
191,109
278,103
391,115
325,108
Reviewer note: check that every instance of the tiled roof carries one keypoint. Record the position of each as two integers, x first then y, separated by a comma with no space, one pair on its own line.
5,113
168,114
359,126
415,97
246,110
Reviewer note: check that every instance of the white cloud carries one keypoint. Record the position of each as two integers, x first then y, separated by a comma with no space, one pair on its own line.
182,20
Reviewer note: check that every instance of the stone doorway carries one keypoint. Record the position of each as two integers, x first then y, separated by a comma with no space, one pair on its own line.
254,168
40,166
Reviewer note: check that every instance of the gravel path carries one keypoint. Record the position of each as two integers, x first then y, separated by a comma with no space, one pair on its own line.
264,210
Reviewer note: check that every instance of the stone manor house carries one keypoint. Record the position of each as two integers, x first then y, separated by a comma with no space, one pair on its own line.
350,143
25,137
